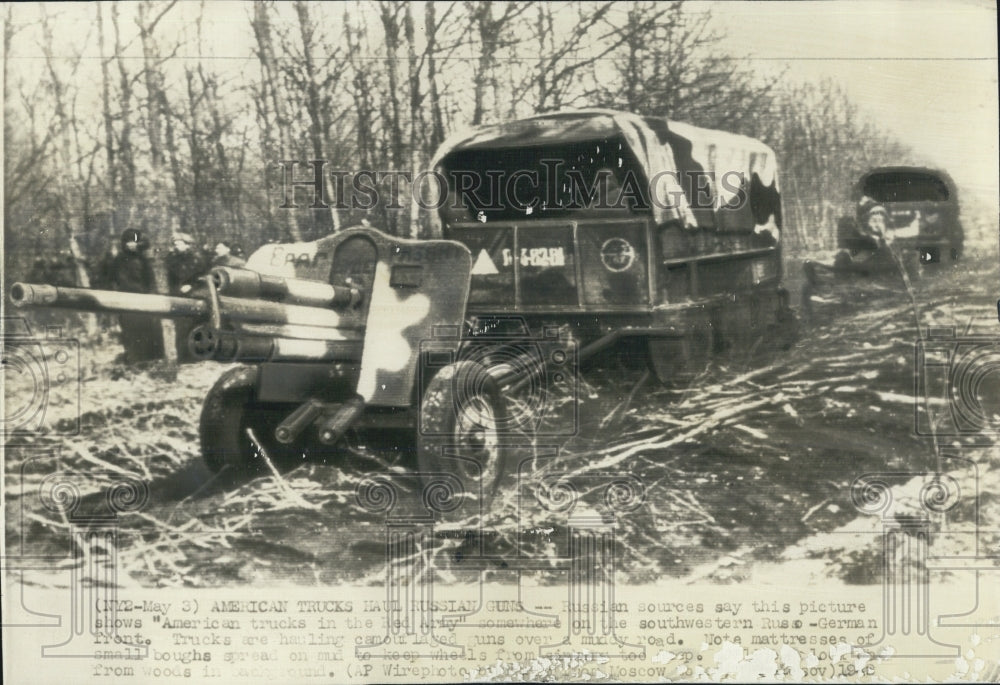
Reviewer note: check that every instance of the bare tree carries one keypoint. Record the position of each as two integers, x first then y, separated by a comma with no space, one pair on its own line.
317,80
494,32
565,57
389,13
673,63
362,91
75,196
431,27
160,201
126,153
379,86
824,146
271,109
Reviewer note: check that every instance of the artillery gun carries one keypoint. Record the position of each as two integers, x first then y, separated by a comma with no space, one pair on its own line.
357,329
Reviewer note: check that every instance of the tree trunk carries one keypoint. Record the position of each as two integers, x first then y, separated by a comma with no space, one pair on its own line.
111,174
437,120
270,87
71,207
158,209
415,115
317,114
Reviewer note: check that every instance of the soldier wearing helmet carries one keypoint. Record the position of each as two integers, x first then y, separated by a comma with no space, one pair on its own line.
132,271
873,221
870,252
185,265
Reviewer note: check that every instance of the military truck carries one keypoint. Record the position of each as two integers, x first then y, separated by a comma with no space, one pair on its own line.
922,208
434,338
625,228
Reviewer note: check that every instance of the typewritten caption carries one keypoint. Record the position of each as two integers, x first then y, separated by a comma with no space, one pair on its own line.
358,635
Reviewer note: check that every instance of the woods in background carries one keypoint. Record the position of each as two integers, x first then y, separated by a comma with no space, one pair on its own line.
169,117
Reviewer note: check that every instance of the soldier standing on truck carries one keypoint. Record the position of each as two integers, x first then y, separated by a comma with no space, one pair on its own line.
132,271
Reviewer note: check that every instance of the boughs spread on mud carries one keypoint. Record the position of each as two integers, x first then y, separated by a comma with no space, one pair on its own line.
753,462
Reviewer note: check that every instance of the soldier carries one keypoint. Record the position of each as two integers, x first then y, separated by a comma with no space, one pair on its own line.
872,219
39,271
184,265
872,227
131,271
871,256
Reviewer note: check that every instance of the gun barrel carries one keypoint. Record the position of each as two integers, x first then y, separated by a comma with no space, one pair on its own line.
226,346
84,300
233,308
250,284
332,428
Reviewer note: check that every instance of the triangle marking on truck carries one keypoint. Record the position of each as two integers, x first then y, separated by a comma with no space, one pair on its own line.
484,266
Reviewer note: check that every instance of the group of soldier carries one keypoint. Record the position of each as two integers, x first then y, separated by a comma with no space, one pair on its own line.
128,267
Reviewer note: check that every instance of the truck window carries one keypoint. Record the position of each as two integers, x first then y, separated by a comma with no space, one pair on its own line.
906,187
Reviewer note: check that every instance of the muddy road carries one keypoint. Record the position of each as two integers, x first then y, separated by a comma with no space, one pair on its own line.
753,462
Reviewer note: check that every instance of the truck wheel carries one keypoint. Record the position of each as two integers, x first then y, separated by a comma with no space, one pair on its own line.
230,409
677,361
461,430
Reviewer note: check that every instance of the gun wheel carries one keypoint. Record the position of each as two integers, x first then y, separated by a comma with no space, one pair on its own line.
235,429
461,430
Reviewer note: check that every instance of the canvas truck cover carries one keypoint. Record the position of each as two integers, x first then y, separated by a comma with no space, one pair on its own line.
664,150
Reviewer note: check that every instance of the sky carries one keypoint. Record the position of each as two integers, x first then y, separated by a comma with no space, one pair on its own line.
927,71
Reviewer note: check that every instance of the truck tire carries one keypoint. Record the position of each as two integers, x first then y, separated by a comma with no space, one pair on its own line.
675,362
462,431
230,409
